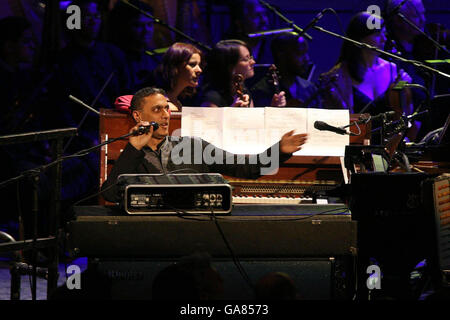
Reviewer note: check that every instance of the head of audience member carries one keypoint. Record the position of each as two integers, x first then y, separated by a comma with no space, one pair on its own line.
193,277
248,16
16,41
227,58
355,57
180,70
413,10
150,104
290,54
129,29
275,286
91,21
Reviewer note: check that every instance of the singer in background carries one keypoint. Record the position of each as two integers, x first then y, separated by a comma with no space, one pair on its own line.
290,54
179,73
364,80
227,59
151,152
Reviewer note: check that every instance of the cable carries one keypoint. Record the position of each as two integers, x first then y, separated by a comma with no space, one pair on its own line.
338,19
233,256
213,217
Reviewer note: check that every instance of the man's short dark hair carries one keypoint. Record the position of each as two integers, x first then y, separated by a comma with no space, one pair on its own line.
136,101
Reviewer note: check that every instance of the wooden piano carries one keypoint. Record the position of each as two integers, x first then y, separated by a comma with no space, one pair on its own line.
295,182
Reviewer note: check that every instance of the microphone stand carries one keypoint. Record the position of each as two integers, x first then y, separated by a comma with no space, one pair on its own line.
415,27
434,42
162,23
282,17
34,175
363,45
90,108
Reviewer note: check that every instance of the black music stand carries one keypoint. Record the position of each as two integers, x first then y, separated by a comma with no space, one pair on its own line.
57,137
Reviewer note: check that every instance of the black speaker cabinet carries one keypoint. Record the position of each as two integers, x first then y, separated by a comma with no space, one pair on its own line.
395,226
314,278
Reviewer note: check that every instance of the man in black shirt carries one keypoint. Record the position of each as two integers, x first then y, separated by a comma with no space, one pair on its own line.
157,152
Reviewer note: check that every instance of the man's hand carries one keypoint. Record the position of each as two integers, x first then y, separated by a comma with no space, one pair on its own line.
142,140
291,142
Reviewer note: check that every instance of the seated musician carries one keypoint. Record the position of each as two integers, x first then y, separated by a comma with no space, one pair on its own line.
227,59
290,54
179,72
156,152
364,80
408,42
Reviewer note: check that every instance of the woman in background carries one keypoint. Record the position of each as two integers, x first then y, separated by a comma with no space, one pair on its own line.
365,80
179,72
227,60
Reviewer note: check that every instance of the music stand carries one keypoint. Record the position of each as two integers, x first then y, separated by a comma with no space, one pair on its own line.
57,137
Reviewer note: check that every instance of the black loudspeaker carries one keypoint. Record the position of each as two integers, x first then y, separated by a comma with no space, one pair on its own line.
395,227
314,278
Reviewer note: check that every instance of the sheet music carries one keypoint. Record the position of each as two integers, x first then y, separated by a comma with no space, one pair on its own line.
279,121
325,143
243,130
253,130
205,123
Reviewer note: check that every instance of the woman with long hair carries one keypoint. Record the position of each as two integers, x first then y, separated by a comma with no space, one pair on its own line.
179,72
363,78
229,64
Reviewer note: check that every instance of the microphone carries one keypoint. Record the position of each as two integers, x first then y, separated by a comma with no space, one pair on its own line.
323,126
145,129
388,114
314,21
416,115
268,32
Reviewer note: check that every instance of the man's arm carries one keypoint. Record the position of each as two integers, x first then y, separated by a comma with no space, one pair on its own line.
254,166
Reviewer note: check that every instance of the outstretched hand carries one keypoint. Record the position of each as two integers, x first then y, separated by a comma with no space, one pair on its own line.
291,142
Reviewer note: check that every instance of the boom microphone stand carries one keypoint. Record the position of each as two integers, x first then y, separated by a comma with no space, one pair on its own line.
34,175
173,29
285,19
361,45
